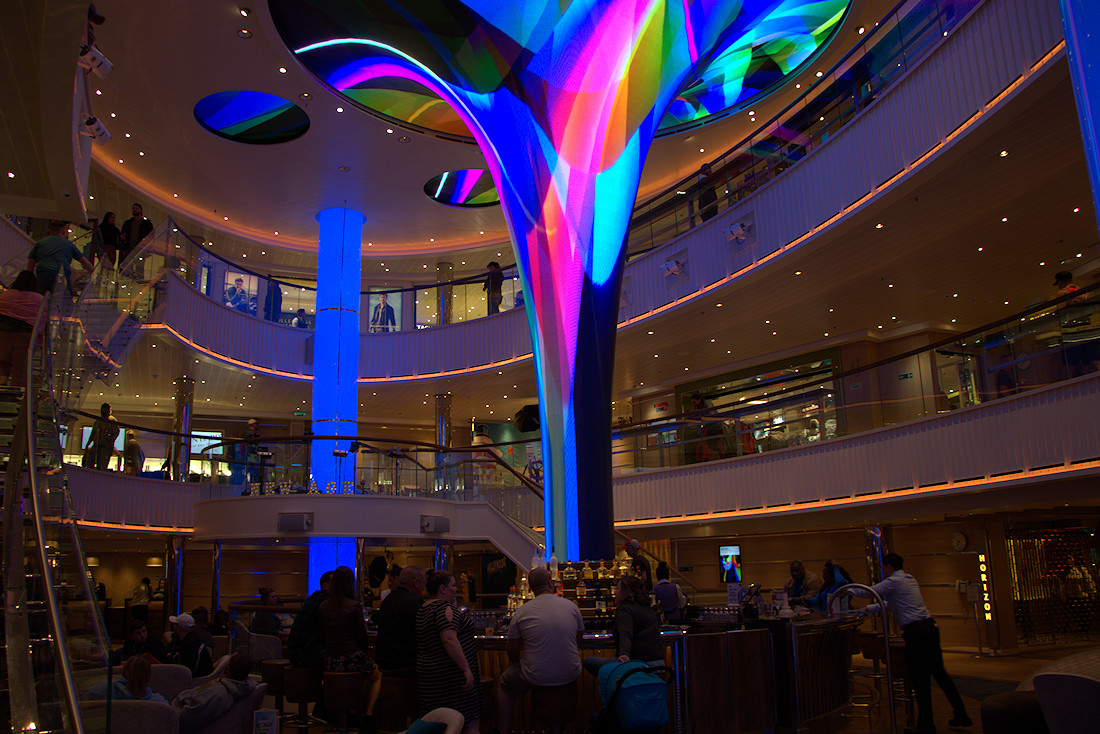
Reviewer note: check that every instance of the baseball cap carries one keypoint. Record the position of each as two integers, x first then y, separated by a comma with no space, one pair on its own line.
184,620
632,544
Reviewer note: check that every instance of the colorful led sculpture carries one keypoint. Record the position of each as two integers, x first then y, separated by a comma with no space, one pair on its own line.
564,99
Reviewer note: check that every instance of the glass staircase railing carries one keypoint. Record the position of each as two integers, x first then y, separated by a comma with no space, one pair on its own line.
54,635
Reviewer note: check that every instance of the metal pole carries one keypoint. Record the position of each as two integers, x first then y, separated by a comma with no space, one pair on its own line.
885,639
216,578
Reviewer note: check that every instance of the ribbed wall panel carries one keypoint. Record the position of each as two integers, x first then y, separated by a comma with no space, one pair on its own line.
1054,426
120,499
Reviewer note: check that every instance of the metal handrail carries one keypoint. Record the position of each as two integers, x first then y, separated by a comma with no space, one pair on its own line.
885,638
52,605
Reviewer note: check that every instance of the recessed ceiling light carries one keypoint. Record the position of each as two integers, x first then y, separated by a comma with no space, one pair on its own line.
276,231
339,109
226,218
774,333
245,12
1076,209
890,285
820,73
175,196
1004,219
878,226
343,169
11,175
826,333
798,86
127,135
861,30
702,150
798,272
981,249
389,130
718,305
120,160
305,96
113,115
1004,153
244,33
141,152
1042,263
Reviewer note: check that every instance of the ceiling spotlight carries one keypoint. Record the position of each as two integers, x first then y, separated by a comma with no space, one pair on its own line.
305,96
343,169
820,73
389,130
1004,153
245,12
339,109
861,30
878,226
244,33
11,175
282,69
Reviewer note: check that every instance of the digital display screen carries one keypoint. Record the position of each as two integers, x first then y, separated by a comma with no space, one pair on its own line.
729,564
208,438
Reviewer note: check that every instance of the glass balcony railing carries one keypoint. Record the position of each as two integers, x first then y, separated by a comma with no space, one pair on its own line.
904,37
819,400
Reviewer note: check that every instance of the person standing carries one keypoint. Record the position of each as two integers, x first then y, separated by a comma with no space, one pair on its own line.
639,564
110,237
133,231
494,286
52,255
396,620
543,646
300,321
273,301
669,595
382,317
139,601
447,673
923,656
101,443
305,647
133,458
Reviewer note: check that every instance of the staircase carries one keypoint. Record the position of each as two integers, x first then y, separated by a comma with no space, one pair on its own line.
54,638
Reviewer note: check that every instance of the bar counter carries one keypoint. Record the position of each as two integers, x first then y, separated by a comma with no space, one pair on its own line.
764,675
767,675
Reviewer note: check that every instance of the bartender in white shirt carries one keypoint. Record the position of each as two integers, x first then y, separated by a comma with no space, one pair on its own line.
922,643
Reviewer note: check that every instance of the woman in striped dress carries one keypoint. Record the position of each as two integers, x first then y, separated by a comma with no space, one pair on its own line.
446,664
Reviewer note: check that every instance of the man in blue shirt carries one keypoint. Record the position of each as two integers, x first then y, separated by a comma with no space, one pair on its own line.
922,643
53,254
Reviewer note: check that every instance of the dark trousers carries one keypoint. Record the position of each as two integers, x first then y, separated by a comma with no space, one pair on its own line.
925,661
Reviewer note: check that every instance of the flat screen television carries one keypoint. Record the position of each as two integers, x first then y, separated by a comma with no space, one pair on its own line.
201,439
729,564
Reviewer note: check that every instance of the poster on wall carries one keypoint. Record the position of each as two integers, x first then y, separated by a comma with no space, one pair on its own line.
384,310
240,292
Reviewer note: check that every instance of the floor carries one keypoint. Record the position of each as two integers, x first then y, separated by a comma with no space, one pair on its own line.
976,678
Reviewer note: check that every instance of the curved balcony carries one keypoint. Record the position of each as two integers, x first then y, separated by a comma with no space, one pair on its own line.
919,112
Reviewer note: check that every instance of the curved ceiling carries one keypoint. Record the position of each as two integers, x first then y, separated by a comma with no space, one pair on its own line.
347,158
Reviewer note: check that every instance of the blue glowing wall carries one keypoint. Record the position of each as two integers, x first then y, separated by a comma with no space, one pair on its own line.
1081,23
336,346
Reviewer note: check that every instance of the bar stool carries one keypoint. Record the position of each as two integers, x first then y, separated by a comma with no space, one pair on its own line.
343,696
554,706
397,704
272,673
301,686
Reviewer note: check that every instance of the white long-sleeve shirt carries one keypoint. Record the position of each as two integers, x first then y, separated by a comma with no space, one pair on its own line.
902,596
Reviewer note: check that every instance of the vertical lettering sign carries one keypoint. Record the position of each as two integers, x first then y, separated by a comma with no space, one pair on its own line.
983,577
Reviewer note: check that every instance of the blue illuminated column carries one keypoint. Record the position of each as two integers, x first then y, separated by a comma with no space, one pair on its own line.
336,346
1081,24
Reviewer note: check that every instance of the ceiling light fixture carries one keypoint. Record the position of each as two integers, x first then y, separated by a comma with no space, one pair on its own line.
339,109
245,12
305,96
1004,153
244,33
282,69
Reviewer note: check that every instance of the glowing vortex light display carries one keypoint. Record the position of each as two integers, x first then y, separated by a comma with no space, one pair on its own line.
564,99
251,117
470,187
